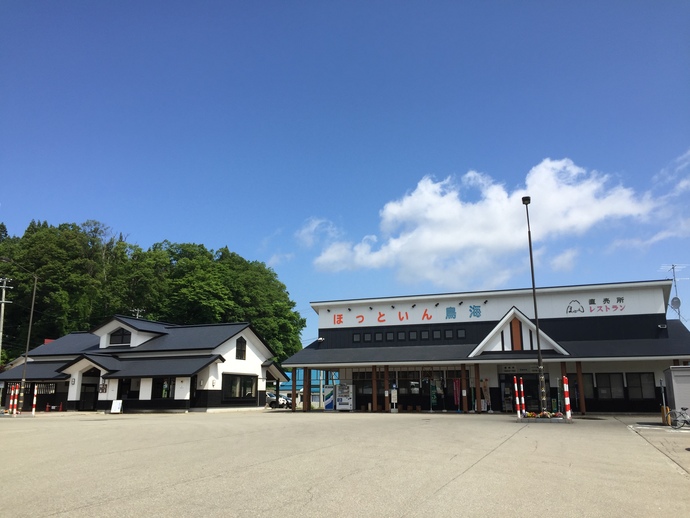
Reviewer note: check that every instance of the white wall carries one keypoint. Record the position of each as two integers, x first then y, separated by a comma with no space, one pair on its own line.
182,388
145,389
576,301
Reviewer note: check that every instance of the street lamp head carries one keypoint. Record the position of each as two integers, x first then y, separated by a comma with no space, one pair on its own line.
526,200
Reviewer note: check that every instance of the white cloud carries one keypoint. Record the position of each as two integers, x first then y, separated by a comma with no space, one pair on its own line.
432,234
313,229
565,261
278,259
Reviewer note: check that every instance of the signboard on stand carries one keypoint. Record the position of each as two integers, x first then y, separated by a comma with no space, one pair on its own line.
116,407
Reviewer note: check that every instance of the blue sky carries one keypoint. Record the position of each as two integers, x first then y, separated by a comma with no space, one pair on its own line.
361,149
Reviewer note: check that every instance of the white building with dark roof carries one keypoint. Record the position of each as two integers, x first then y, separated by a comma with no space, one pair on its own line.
148,366
461,351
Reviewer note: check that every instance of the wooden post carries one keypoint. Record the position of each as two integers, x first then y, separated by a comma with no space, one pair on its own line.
306,391
581,387
374,399
478,388
293,406
386,390
463,387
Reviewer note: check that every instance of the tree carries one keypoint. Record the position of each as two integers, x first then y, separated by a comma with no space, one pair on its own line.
86,275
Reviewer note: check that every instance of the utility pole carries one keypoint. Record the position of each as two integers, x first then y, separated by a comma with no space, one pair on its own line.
4,287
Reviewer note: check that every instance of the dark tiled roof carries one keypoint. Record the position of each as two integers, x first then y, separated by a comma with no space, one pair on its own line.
147,326
107,362
35,371
676,345
73,343
186,338
178,338
152,367
417,354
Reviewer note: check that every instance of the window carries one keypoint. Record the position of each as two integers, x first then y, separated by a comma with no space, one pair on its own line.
163,388
448,334
241,349
610,386
641,385
378,337
424,335
120,337
367,337
437,334
413,335
401,336
356,338
390,336
45,388
461,333
587,381
239,387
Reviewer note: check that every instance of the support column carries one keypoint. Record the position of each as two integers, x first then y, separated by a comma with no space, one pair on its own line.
386,390
581,386
478,388
463,387
564,370
293,406
306,391
374,399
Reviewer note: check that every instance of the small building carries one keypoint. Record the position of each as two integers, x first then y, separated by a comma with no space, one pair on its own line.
463,351
149,366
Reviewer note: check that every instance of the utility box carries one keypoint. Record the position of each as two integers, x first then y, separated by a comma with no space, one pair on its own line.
677,380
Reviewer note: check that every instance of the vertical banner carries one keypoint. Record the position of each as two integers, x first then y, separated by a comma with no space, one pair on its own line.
487,394
456,392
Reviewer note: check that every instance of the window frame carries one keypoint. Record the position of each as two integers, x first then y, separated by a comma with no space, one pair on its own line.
232,393
644,390
120,334
159,390
605,382
241,348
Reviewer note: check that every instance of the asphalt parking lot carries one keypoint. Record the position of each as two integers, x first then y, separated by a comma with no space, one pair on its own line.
258,463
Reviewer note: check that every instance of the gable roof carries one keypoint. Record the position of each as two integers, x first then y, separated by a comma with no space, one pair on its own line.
545,341
175,338
139,324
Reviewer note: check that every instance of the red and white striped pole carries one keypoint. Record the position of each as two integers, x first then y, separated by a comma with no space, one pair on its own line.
33,405
566,392
517,398
522,396
13,400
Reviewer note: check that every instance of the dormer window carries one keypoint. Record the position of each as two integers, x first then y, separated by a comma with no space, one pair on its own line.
120,337
241,349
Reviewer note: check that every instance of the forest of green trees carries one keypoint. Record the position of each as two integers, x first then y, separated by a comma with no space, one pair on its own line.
86,275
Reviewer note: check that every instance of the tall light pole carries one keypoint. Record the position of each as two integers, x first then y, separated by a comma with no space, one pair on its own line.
28,336
542,384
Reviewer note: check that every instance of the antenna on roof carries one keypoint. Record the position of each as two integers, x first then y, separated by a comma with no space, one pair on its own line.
136,312
675,301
